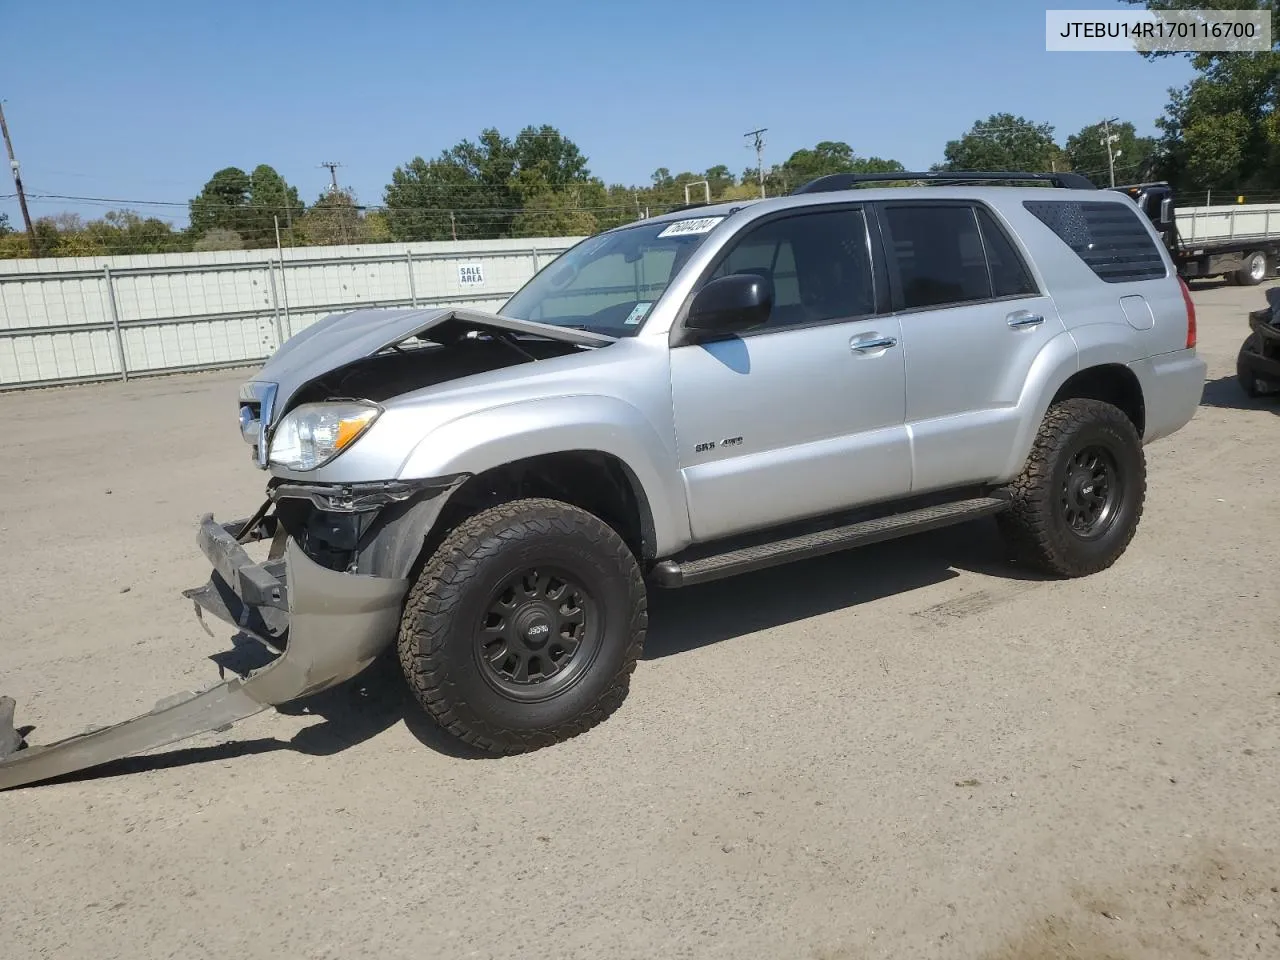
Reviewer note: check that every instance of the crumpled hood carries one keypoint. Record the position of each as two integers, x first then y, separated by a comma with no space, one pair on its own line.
345,338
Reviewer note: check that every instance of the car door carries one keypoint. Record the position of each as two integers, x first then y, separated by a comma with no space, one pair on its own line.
973,321
804,414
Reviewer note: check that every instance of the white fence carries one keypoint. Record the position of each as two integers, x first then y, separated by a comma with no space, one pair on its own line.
79,319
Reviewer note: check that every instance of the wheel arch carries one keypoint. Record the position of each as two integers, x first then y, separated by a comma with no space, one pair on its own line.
1098,372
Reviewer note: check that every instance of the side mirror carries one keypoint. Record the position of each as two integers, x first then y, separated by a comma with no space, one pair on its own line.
729,304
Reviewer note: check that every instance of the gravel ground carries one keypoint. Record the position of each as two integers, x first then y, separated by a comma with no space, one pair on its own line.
905,751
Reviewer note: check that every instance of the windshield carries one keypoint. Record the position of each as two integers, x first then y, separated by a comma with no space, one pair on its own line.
608,283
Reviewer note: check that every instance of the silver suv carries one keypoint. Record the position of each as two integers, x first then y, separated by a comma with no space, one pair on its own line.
684,398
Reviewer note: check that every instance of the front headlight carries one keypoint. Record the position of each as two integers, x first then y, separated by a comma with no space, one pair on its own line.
315,433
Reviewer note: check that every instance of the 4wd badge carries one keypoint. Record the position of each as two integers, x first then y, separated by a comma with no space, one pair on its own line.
712,444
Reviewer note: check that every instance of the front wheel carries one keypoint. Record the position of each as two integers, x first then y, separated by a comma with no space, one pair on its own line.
524,626
1077,503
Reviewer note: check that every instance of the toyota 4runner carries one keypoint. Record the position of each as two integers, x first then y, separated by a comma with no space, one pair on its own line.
683,398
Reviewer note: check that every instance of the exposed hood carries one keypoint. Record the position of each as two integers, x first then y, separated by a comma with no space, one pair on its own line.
344,338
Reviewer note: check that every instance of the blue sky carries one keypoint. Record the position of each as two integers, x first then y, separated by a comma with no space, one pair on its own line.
144,100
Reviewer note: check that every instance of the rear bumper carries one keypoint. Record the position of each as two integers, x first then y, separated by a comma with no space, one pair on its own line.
1172,387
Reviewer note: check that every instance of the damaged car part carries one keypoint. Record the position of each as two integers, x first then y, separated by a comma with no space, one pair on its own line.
337,623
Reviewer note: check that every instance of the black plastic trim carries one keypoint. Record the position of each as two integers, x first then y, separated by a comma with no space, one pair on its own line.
835,536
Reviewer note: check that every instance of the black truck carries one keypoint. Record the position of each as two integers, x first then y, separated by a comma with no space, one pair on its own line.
1245,260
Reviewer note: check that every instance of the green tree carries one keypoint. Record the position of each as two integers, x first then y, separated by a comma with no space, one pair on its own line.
827,157
332,220
218,238
271,199
222,202
246,204
4,225
719,177
465,191
1220,130
477,188
1003,142
125,232
544,154
1086,153
555,213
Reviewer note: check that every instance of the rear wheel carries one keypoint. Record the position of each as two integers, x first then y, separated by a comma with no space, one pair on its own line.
1253,269
524,626
1077,503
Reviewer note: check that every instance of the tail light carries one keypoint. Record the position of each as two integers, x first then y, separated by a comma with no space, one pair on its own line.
1191,314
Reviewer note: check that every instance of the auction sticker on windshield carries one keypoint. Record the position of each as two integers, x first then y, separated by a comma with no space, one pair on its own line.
696,225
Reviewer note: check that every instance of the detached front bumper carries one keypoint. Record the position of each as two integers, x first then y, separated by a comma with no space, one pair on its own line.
324,626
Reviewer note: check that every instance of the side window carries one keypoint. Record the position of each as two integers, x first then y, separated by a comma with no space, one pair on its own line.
1109,237
1009,274
938,252
818,263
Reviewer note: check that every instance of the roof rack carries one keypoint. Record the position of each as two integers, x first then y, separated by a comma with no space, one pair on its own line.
846,181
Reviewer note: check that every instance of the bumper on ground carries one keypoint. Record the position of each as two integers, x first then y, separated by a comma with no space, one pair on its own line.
324,625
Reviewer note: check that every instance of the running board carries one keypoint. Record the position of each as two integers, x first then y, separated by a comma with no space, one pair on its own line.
677,573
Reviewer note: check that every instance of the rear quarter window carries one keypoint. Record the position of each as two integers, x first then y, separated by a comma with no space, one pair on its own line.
1109,237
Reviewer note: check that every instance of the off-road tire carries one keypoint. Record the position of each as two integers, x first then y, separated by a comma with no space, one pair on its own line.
448,601
1036,528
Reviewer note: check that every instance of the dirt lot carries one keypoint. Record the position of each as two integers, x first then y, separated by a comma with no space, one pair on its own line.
900,752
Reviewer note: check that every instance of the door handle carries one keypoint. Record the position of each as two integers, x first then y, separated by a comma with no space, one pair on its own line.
1024,318
873,344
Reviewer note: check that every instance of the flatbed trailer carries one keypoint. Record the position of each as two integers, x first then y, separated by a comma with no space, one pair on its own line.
1246,259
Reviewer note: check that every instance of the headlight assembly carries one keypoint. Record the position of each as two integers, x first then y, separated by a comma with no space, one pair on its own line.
314,433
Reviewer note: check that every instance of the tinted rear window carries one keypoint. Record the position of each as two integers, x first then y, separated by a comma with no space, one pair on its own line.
1109,237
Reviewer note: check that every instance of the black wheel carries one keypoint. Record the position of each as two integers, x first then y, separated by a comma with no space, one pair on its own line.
1253,385
1244,376
1077,503
524,626
1252,270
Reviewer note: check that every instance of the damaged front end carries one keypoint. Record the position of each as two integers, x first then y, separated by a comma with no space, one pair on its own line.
324,603
327,599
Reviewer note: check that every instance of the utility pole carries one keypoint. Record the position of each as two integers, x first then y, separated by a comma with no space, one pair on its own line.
333,173
1107,140
17,182
453,225
759,144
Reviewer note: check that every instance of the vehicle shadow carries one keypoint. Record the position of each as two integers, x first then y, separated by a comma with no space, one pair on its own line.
1226,393
679,621
698,616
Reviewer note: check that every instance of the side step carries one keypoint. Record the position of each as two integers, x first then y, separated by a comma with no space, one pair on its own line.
677,573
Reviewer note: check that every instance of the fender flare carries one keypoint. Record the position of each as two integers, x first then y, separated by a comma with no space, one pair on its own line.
493,437
1069,353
